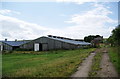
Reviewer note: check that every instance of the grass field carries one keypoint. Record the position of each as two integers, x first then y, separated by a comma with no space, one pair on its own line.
114,53
61,63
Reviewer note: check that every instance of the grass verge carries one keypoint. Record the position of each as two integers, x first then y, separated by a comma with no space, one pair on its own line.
115,57
0,65
95,64
61,63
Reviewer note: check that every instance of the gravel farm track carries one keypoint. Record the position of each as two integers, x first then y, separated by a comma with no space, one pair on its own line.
107,68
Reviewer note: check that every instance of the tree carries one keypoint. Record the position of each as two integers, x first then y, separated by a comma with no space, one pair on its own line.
91,37
111,40
114,39
94,40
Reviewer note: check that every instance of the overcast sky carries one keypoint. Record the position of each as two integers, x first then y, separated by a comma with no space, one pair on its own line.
30,20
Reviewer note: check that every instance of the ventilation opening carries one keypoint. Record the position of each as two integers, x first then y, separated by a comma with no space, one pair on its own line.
15,47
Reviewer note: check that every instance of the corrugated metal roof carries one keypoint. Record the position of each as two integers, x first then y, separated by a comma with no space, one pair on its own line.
14,43
71,41
18,43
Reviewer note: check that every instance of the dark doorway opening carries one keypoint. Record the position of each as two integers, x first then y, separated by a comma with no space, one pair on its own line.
15,47
40,47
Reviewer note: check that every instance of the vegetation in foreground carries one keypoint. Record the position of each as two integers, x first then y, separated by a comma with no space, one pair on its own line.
61,63
115,57
95,64
0,65
114,50
114,39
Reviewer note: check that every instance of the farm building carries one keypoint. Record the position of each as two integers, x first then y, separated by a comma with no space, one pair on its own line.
43,43
53,43
10,45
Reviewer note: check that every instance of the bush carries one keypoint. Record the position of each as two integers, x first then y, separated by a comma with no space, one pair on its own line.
21,49
6,52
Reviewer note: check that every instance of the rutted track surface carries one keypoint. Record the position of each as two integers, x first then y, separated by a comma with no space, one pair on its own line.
107,68
84,68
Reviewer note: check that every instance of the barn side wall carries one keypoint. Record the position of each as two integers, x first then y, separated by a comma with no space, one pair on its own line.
28,46
48,44
7,47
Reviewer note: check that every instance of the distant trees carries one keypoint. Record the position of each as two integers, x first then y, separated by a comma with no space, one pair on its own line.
91,37
114,39
94,39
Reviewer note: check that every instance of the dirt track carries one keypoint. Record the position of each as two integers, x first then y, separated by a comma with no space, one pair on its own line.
84,68
107,68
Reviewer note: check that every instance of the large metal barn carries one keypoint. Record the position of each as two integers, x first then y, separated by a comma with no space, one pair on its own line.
53,43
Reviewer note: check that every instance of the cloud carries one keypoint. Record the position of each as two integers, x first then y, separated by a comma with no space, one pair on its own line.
76,1
92,22
66,1
6,11
83,1
13,28
5,34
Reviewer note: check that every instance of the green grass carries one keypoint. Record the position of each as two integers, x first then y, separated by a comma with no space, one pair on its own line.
61,63
95,64
115,57
0,65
